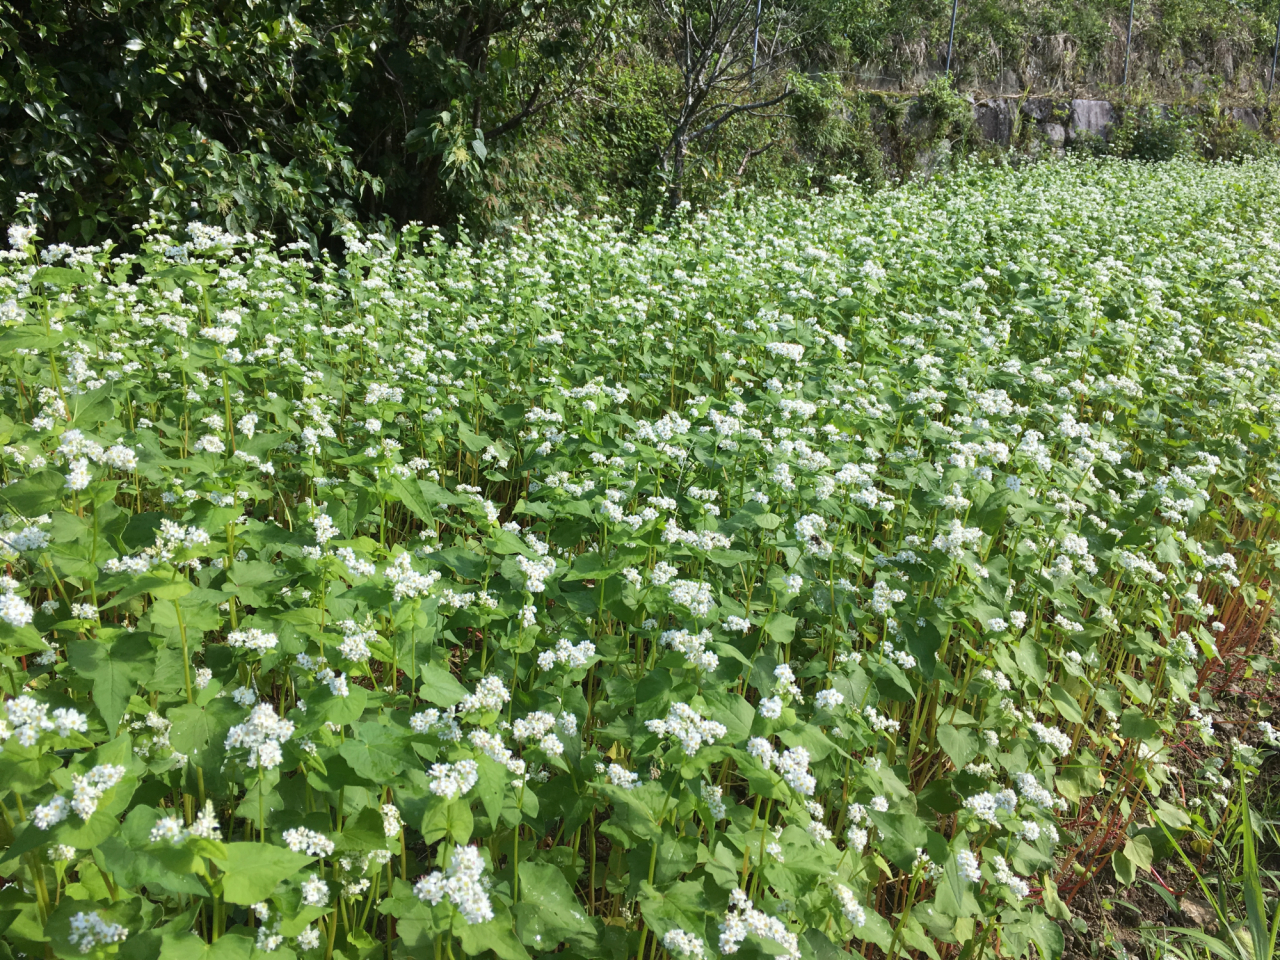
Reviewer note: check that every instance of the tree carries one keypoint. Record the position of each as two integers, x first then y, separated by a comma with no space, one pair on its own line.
279,114
458,81
726,52
229,111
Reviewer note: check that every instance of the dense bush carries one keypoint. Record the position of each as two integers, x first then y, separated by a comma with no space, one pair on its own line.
232,112
807,575
299,117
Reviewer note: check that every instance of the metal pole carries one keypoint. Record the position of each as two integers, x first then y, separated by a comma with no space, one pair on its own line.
1274,50
1128,44
755,43
951,40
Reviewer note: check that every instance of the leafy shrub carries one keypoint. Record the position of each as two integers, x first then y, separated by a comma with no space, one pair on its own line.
225,111
1151,132
1222,137
836,134
804,573
939,117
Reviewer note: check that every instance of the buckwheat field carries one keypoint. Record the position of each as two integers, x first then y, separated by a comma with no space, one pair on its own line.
803,577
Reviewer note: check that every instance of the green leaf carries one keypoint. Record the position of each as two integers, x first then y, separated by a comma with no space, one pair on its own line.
781,627
474,442
115,671
960,744
492,935
1110,699
439,687
1123,867
61,276
1053,904
1046,935
767,521
902,834
491,786
1033,660
1134,726
252,870
1139,689
1067,705
37,494
324,706
380,753
731,558
1138,849
1255,902
548,907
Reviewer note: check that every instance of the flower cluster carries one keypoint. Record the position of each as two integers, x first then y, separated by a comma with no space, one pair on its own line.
462,883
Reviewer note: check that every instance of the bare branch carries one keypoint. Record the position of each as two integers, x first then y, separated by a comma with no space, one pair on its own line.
735,111
752,154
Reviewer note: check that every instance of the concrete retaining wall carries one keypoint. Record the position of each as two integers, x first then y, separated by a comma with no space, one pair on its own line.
1060,122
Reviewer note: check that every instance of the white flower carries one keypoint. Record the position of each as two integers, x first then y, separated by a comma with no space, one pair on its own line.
849,906
967,866
67,721
391,821
694,595
315,892
15,611
711,796
89,931
302,840
120,457
252,639
744,920
222,335
452,780
206,824
771,708
168,830
209,443
829,699
262,733
688,726
49,814
79,477
1052,737
1017,886
325,528
683,944
88,789
491,693
309,939
462,882
794,767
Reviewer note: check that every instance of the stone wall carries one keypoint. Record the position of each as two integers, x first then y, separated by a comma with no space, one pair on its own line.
1060,122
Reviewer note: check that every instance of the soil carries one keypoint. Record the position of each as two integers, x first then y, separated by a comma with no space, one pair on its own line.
1113,921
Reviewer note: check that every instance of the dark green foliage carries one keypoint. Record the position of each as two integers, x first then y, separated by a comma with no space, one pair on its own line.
282,115
222,110
1223,137
297,116
835,130
606,144
1157,132
1151,132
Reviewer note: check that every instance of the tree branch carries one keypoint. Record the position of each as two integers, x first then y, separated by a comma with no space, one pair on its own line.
734,111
